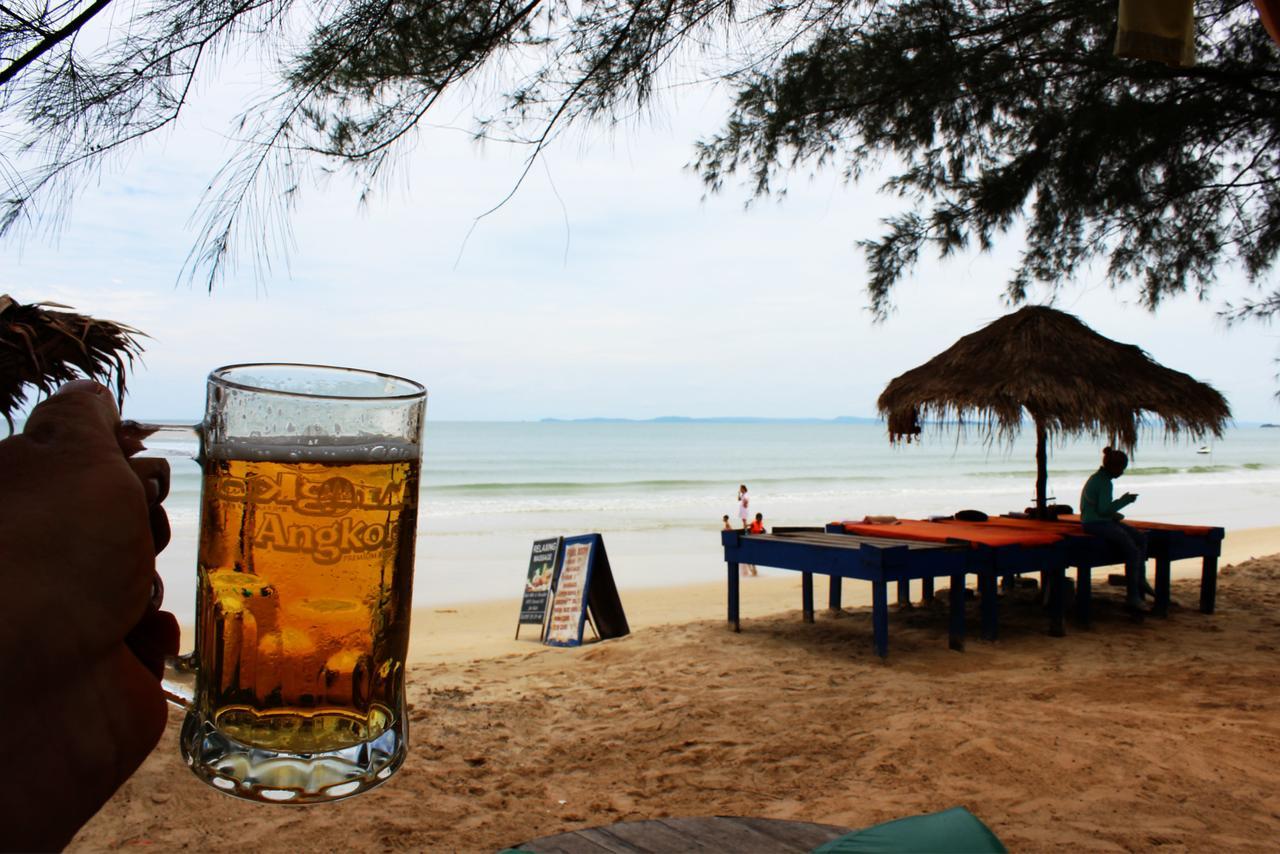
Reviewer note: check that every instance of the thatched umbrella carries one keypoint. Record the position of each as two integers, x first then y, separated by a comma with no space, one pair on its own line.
1068,378
44,348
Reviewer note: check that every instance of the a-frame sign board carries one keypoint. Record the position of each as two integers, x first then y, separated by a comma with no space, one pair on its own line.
584,581
537,584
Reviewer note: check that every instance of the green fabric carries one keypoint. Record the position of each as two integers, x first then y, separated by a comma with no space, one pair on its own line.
1096,504
955,831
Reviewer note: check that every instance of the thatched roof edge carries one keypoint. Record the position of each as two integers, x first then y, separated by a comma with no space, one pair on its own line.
1047,364
42,347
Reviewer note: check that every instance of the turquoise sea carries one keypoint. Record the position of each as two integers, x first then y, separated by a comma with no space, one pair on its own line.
657,491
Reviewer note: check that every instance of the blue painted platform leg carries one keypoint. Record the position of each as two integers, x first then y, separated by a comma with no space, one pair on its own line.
1084,595
880,616
1209,584
904,593
926,589
956,616
1163,583
990,606
733,597
833,593
1057,604
806,594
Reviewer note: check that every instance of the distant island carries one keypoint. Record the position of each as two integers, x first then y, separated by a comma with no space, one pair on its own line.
1271,425
726,419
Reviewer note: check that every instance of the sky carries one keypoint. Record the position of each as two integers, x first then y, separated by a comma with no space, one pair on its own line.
610,285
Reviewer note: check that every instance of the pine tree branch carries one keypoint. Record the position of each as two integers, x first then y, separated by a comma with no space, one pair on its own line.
51,41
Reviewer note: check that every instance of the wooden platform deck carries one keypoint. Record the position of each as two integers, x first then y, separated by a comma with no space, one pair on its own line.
952,552
678,835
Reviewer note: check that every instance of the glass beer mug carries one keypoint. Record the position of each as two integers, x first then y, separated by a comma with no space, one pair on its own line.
295,690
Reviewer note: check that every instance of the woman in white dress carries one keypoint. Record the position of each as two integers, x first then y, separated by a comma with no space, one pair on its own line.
744,512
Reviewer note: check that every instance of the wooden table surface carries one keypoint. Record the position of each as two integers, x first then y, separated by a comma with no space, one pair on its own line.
672,835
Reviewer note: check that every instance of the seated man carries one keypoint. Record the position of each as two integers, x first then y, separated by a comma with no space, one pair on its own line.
1100,514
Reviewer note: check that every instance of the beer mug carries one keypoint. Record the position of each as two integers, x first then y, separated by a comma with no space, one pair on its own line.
295,690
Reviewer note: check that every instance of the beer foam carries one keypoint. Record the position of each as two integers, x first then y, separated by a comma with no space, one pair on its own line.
320,449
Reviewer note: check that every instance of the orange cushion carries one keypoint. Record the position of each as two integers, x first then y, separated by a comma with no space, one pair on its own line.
1193,530
975,533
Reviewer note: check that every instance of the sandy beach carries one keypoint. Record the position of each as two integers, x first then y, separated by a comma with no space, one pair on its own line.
1119,738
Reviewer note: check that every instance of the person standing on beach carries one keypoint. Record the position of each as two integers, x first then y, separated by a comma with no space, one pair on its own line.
744,503
1100,515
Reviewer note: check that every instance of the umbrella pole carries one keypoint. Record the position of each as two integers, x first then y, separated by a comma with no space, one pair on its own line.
1042,470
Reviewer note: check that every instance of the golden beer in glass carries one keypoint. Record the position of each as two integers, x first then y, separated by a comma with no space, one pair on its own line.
306,572
308,519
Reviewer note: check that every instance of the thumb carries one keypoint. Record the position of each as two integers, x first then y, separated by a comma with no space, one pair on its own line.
80,412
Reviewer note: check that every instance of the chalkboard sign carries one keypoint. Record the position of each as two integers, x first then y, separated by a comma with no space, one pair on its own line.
537,584
584,583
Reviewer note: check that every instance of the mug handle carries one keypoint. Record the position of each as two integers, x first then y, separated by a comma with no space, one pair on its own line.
180,671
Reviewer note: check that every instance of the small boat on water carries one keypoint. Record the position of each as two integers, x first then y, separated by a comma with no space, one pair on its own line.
1204,449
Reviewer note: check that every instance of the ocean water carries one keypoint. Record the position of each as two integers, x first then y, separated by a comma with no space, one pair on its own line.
519,468
657,491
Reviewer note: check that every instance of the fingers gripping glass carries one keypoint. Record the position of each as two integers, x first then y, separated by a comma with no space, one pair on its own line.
295,690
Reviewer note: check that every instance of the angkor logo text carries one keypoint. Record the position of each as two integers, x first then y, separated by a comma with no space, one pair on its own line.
325,544
334,496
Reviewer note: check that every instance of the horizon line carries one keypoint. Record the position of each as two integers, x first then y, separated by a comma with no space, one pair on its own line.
677,419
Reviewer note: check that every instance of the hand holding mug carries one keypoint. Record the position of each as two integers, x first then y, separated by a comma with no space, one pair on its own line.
80,525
